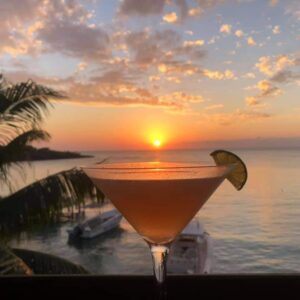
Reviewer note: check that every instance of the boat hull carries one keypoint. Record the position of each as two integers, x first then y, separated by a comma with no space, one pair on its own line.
107,226
96,226
191,252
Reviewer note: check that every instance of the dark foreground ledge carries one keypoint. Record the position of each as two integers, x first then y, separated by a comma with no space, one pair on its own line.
143,287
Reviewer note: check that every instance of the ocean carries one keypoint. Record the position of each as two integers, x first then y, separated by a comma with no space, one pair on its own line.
255,230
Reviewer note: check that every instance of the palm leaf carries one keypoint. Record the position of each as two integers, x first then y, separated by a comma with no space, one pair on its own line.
23,106
13,152
46,201
11,264
29,98
42,263
4,102
28,262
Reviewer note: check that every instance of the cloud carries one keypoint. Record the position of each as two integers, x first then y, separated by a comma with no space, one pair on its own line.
186,69
271,65
33,27
209,3
273,2
293,8
276,29
237,117
285,76
227,74
201,6
101,93
251,41
193,43
18,11
182,97
148,48
183,8
213,40
214,106
251,115
279,69
17,22
143,8
164,50
267,89
239,33
252,101
191,51
249,75
225,28
59,83
264,65
282,61
113,88
154,78
74,39
173,79
113,78
156,7
194,12
81,66
170,18
189,32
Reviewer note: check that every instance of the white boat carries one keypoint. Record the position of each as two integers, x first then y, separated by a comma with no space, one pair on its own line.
191,252
97,225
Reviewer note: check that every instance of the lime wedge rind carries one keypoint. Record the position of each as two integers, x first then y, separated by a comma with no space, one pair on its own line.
238,177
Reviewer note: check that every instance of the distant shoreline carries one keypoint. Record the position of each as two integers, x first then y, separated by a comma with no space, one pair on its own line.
34,154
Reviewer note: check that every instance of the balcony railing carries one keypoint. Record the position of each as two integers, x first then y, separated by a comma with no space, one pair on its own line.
143,287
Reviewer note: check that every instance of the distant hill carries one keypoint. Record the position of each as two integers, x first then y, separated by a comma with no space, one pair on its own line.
32,153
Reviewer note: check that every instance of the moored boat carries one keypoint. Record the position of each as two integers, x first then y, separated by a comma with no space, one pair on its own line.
97,225
191,252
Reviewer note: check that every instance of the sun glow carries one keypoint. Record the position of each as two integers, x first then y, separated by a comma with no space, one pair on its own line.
156,143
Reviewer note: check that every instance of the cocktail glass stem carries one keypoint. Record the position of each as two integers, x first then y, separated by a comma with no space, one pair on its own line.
159,256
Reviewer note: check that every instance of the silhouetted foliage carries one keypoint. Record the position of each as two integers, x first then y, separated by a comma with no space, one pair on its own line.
46,200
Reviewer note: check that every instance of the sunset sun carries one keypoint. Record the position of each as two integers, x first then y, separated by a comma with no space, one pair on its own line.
156,143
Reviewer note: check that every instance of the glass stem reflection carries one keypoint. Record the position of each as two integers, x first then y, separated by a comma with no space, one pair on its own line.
159,256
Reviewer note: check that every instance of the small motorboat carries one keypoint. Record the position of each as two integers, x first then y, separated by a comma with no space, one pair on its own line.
191,252
97,225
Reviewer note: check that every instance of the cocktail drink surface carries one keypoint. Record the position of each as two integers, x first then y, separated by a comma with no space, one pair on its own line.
158,199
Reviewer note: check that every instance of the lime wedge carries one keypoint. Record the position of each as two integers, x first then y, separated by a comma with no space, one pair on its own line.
238,176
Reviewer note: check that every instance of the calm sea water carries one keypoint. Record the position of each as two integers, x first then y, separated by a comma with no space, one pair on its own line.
255,230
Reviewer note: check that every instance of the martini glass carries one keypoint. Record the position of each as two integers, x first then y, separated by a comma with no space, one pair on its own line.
157,198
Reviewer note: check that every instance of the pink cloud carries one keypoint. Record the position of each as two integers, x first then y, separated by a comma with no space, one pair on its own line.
138,7
75,40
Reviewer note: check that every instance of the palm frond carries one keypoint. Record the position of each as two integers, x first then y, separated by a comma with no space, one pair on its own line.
11,264
3,83
28,97
4,102
13,152
23,106
46,201
15,261
42,263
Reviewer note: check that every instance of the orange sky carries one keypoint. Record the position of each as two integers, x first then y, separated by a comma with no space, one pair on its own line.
101,128
186,72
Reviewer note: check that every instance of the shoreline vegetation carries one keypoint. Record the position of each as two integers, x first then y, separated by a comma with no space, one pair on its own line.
36,154
23,108
57,197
